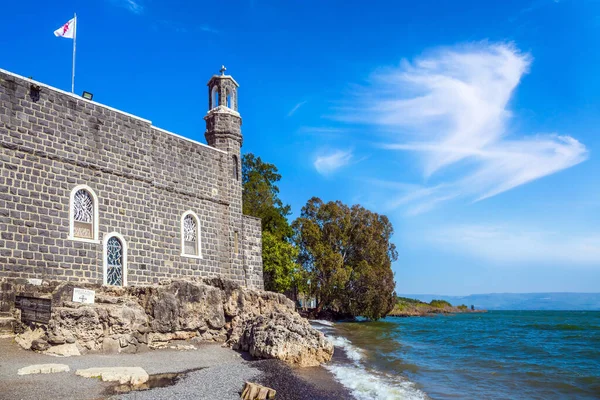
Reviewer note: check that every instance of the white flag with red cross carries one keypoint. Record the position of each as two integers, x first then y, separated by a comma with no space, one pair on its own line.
67,30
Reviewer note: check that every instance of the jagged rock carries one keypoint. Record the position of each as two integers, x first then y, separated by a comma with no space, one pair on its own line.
286,337
261,322
110,346
184,305
39,345
26,338
107,299
54,338
63,350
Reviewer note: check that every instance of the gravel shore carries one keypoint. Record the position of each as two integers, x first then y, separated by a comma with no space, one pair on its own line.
215,373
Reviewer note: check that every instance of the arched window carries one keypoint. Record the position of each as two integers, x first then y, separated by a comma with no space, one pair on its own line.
83,214
233,96
236,169
214,96
115,260
229,98
190,235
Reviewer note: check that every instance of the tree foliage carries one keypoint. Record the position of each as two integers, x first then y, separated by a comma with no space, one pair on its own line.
347,254
260,198
279,260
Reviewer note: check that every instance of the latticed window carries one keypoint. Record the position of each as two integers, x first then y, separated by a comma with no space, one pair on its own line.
114,261
190,235
83,215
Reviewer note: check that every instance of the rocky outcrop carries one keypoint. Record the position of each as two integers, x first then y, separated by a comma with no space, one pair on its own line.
132,318
287,337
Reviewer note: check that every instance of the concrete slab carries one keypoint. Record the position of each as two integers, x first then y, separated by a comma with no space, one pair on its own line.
131,375
43,369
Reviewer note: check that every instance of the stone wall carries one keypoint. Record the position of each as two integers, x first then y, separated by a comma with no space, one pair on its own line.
252,250
145,179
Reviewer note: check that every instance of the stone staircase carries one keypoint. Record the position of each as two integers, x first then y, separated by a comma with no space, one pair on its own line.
7,325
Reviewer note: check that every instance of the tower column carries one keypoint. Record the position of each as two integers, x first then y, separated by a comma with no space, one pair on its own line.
223,131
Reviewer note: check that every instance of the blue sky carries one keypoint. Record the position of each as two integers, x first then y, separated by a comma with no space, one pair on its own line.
472,125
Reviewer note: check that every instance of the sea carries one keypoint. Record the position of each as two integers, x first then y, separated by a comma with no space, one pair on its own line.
492,355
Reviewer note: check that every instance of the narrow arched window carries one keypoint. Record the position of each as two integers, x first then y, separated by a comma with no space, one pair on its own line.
214,96
115,260
229,98
234,100
190,235
235,171
83,214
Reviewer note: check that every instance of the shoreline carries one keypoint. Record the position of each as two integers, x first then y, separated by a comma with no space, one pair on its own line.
208,372
352,368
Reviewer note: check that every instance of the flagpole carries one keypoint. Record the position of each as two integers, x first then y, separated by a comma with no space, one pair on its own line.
74,48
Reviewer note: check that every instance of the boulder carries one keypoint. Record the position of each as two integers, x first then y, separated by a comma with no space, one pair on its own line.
63,350
39,345
26,338
286,337
186,306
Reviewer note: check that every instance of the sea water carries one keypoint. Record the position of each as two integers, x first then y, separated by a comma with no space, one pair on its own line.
494,355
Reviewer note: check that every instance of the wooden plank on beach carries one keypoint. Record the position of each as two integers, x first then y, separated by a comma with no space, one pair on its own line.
254,391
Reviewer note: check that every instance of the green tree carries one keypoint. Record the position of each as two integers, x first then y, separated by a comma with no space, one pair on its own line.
260,197
347,254
279,260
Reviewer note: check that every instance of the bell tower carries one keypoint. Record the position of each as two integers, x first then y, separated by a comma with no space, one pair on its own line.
223,122
224,132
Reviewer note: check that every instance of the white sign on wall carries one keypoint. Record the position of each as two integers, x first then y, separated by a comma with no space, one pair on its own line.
83,296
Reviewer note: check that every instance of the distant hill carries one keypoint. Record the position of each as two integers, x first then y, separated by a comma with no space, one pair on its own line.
520,301
406,307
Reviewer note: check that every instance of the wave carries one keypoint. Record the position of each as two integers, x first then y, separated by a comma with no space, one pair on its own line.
321,322
368,384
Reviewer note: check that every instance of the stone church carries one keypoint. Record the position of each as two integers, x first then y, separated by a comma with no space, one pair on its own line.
93,194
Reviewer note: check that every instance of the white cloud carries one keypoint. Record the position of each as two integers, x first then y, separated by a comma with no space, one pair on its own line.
208,28
295,108
134,6
514,244
326,164
450,108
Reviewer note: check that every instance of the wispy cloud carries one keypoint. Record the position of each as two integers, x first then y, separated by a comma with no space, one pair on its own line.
450,108
533,6
135,6
515,244
209,29
295,108
321,131
327,164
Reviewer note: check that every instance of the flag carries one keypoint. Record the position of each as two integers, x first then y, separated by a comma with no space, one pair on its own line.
67,30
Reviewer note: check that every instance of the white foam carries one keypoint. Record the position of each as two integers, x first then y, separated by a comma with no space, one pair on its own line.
353,352
368,384
321,321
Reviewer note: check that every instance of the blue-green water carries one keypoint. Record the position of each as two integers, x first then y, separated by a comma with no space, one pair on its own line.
494,355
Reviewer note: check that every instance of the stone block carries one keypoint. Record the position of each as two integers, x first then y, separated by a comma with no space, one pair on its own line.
43,369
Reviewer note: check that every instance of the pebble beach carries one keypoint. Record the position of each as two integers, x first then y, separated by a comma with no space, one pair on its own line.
209,371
